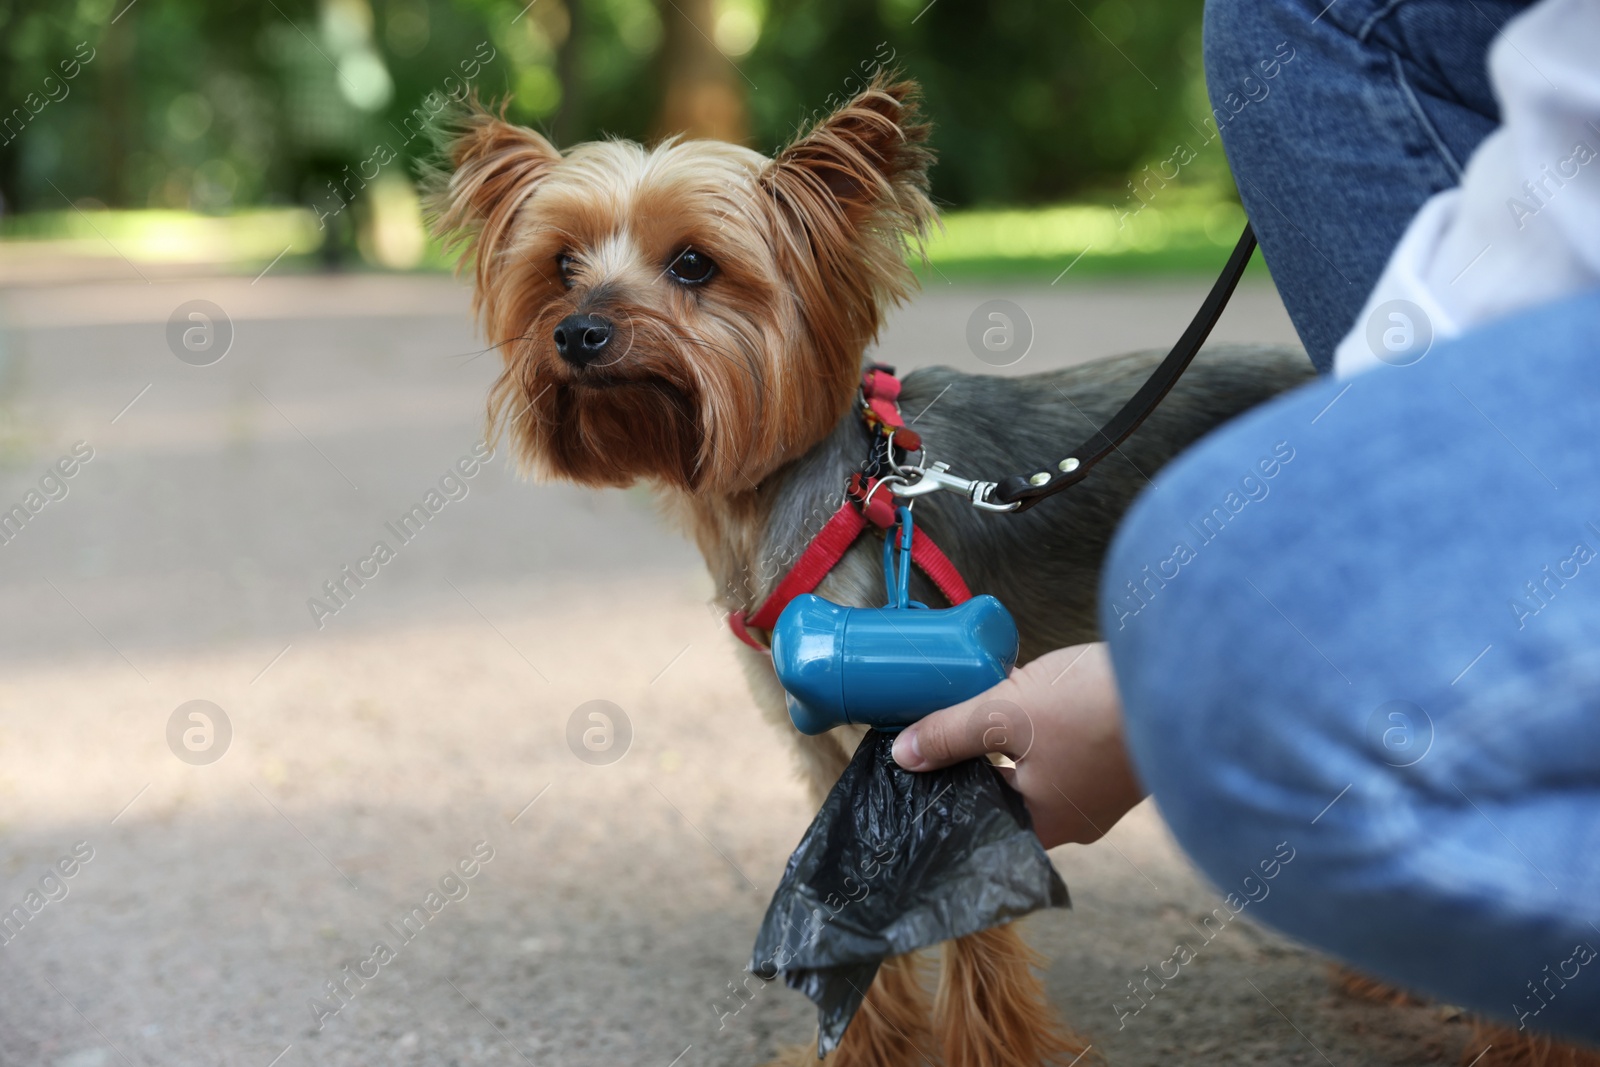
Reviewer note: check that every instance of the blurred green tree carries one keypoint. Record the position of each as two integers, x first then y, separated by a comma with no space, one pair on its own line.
214,104
1031,100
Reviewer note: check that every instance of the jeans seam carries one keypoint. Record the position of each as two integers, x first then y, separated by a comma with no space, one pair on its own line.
1365,29
1422,116
1362,34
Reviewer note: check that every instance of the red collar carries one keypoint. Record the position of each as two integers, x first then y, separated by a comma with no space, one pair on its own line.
880,410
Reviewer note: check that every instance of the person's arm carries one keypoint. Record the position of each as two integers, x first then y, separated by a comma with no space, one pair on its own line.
1523,227
1059,718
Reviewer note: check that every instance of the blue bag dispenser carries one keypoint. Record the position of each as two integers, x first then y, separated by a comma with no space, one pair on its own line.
888,667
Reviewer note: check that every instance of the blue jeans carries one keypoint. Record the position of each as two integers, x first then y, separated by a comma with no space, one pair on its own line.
1377,107
1357,631
1361,626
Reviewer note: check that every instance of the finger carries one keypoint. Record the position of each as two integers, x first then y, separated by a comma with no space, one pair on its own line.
975,727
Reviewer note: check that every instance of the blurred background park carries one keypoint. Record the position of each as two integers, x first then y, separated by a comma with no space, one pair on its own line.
253,163
236,132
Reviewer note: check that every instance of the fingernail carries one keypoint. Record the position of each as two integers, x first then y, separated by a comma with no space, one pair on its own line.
907,753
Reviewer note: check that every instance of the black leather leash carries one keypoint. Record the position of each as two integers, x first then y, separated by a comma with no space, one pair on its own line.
1026,490
1022,491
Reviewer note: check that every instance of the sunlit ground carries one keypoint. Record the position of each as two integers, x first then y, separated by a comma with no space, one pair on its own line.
373,753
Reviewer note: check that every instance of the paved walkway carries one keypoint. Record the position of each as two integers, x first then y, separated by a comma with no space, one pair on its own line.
420,732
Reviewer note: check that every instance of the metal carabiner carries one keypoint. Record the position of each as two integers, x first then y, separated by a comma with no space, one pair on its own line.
934,478
889,481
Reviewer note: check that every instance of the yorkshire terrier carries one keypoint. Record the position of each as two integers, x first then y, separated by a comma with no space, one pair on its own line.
696,316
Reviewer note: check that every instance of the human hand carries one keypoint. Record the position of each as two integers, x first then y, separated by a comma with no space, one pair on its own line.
1060,720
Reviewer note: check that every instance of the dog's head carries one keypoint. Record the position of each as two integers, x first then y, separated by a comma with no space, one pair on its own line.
693,313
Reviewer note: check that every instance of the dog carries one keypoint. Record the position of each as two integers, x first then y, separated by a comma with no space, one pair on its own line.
696,316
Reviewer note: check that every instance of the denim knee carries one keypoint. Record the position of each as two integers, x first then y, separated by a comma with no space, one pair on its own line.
1325,633
1191,632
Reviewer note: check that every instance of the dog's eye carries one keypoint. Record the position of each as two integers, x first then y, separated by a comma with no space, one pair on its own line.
566,264
691,268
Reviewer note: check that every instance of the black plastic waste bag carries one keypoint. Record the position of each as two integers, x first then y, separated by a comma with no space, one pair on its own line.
894,862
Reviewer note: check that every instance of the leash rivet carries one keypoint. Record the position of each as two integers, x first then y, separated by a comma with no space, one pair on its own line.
1067,465
1042,478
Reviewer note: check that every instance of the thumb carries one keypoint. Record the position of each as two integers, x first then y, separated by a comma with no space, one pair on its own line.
957,733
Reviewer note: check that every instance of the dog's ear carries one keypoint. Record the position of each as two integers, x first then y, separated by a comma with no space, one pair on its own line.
493,168
863,168
850,199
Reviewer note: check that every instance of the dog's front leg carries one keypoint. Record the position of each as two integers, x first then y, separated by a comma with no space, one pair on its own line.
991,1009
892,1029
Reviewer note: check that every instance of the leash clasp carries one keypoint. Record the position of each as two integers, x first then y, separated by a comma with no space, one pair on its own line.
920,481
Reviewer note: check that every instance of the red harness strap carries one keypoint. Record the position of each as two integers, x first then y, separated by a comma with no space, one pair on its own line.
823,554
932,561
880,389
825,550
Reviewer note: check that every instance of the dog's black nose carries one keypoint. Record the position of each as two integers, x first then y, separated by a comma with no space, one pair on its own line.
580,339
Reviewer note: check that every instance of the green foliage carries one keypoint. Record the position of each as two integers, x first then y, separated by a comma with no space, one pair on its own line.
215,105
1032,100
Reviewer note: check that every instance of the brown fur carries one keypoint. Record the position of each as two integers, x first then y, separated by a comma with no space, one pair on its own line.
1498,1045
810,248
896,1015
1358,986
891,1028
1503,1046
992,1010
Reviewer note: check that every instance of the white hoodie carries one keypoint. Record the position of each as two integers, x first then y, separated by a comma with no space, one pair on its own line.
1523,227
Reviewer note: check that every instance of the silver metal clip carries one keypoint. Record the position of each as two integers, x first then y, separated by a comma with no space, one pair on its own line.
932,479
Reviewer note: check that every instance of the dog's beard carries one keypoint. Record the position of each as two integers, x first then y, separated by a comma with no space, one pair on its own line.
616,432
698,414
639,414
